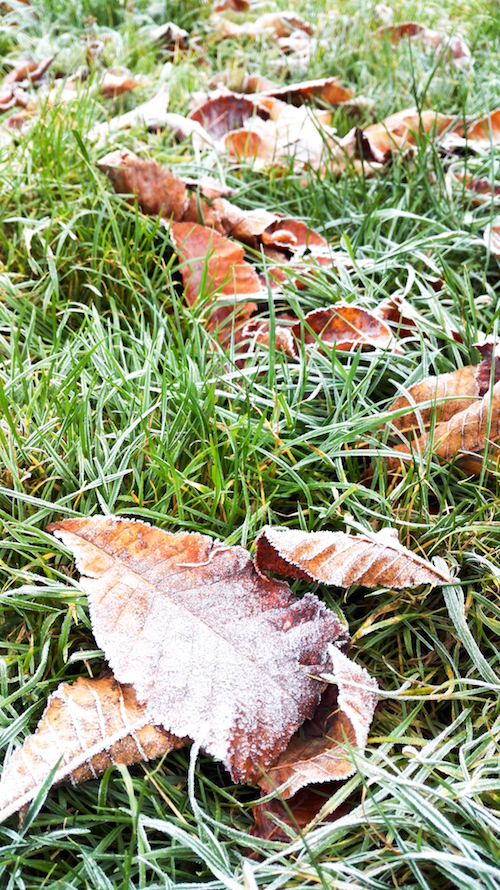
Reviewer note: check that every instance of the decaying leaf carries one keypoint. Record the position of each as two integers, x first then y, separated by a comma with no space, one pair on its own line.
318,751
273,24
235,5
468,434
116,81
26,72
344,326
217,652
216,260
225,112
341,560
328,89
86,726
158,191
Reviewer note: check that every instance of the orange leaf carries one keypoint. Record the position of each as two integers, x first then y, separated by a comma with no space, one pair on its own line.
344,326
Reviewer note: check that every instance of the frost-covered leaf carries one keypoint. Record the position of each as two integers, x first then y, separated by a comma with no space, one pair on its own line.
450,394
340,559
215,650
318,751
86,726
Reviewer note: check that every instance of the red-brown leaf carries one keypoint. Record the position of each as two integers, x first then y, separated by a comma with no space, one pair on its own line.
228,112
345,327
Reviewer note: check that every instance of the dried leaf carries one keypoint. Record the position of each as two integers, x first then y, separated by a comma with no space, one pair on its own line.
451,394
28,72
217,652
284,341
437,40
480,134
226,112
158,191
273,24
345,327
328,89
87,726
235,5
467,434
341,560
295,814
399,131
207,256
318,752
116,81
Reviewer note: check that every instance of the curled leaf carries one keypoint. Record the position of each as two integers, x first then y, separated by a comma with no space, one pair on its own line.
226,112
467,435
451,393
86,726
345,327
341,560
318,751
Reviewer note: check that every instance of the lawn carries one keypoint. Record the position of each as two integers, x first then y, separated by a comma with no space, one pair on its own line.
117,398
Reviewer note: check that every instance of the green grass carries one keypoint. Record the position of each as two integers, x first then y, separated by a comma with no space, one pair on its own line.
113,400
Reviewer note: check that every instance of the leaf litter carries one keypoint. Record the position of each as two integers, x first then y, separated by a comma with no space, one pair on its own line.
239,687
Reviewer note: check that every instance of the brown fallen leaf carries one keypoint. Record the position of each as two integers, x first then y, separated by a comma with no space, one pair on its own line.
116,81
214,260
273,24
28,71
327,89
235,5
294,814
478,134
467,435
451,394
437,40
341,560
236,670
226,112
12,98
318,751
344,326
158,191
86,726
399,131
